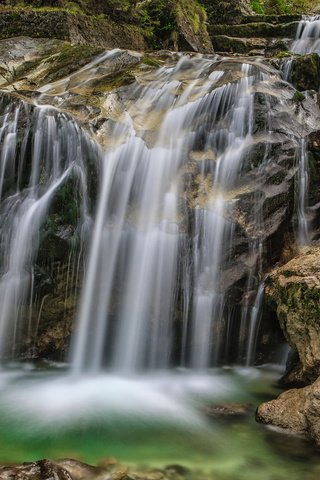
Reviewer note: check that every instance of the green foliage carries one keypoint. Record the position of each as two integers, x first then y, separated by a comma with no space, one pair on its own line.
160,17
257,6
282,7
151,62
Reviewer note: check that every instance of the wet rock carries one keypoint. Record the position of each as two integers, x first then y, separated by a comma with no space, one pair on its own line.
305,72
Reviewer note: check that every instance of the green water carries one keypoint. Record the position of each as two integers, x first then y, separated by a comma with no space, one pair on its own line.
34,425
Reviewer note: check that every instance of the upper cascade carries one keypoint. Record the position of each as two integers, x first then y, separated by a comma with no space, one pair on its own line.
308,36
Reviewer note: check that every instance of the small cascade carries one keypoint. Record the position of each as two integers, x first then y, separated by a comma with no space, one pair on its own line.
302,190
307,41
43,152
254,325
308,36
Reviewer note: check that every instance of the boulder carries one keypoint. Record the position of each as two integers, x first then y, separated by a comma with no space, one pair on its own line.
297,411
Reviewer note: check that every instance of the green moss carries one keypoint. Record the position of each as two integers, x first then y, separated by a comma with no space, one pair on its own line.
284,54
70,59
151,62
112,82
298,97
196,23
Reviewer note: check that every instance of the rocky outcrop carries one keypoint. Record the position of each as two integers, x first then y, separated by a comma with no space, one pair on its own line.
77,29
294,291
226,11
179,25
254,35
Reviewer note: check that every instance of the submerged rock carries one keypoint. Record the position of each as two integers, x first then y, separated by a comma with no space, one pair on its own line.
227,411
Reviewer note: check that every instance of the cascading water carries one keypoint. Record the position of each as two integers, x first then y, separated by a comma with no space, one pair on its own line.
159,274
140,250
308,36
58,151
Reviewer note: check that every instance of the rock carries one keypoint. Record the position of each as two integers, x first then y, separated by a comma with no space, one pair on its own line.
305,72
41,470
77,29
227,11
297,411
286,412
227,411
74,470
256,30
294,291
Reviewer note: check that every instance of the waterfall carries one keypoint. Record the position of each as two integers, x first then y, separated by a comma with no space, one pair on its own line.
302,190
307,41
308,36
156,236
140,252
42,151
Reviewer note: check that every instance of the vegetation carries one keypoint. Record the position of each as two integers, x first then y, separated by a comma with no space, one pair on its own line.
282,7
298,97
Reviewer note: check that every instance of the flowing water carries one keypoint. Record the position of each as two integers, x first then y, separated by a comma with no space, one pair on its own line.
308,36
150,237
